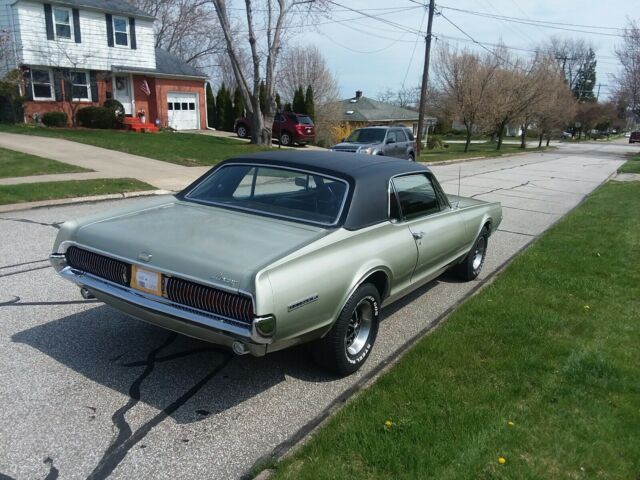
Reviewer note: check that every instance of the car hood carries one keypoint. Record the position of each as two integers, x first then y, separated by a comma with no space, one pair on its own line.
353,146
211,244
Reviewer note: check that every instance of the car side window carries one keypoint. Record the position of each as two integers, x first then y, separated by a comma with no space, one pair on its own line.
391,136
416,195
400,136
394,206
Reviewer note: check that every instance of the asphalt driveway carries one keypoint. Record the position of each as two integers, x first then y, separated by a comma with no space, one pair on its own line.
87,392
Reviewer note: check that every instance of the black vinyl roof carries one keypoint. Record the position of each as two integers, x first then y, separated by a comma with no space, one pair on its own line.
367,175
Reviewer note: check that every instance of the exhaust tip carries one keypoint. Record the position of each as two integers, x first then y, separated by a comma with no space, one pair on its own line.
239,348
86,294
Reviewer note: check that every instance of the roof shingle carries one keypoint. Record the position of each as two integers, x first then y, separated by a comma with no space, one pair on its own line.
113,6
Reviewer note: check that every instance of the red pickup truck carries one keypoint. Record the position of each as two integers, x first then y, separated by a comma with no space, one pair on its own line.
288,128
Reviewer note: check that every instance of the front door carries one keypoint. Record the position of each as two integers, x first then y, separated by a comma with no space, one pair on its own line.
123,92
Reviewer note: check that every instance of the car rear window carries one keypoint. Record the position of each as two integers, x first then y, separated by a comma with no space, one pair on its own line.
305,120
281,192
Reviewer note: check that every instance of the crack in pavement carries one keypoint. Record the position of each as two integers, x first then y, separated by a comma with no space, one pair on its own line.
501,188
25,271
126,439
24,263
13,301
17,303
55,225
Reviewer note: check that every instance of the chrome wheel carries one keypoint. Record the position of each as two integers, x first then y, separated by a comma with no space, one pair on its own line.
478,254
242,132
359,327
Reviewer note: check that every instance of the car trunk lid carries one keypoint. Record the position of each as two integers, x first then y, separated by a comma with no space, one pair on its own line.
210,244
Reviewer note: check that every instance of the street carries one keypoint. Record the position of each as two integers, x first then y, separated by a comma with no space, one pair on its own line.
87,392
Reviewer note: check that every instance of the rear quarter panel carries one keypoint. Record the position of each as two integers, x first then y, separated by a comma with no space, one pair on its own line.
332,268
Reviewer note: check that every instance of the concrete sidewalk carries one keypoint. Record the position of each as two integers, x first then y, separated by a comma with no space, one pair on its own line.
105,163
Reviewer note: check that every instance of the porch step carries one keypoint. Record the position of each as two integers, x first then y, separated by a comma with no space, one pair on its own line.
135,125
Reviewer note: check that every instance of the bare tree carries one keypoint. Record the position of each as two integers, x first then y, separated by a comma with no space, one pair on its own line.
628,80
265,45
570,54
303,67
464,80
405,97
555,110
185,28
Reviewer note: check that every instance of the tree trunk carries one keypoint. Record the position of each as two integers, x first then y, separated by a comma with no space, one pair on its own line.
523,136
500,136
540,141
548,140
468,142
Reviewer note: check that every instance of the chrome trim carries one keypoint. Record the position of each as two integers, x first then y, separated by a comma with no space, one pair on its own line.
64,246
58,261
164,306
186,196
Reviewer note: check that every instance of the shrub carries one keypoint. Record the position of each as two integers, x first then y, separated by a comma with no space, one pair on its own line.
434,141
55,119
117,107
97,117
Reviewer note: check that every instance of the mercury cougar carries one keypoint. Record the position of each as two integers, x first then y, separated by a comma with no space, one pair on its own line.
276,249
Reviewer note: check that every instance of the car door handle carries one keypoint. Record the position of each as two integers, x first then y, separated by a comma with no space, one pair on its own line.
417,235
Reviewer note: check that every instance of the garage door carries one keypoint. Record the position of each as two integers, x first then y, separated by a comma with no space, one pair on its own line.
183,111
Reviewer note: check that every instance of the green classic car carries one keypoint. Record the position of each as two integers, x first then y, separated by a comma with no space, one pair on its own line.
275,249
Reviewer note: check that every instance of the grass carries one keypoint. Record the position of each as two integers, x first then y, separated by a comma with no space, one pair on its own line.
632,166
182,148
32,192
551,346
17,164
456,151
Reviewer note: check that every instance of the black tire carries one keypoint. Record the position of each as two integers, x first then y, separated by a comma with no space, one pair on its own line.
242,131
411,158
285,139
471,266
345,349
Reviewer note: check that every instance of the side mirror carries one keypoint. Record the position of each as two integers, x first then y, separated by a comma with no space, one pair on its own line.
390,140
301,182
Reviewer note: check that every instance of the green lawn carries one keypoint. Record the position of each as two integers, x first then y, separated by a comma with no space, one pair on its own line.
182,148
632,166
542,368
17,164
31,192
456,151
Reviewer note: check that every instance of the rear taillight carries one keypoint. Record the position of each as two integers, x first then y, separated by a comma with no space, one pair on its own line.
300,127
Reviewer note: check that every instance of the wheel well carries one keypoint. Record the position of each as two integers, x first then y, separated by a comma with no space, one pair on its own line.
379,280
487,225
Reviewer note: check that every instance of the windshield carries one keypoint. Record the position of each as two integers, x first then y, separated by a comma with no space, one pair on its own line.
282,192
367,135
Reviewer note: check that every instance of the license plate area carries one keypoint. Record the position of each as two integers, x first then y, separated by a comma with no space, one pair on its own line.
146,280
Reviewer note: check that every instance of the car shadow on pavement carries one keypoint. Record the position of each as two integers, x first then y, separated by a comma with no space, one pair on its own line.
187,379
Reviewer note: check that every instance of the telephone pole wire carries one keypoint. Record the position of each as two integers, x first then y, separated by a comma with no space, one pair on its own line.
425,78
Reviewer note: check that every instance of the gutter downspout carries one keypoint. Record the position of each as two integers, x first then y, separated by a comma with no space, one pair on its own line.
15,50
206,109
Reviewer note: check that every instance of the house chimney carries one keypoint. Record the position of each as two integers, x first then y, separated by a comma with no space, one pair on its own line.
358,94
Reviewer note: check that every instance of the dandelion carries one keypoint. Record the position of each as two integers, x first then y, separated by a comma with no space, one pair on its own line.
598,254
388,424
502,460
510,423
587,307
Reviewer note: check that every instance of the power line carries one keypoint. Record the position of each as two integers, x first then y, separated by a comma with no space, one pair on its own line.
383,20
539,23
413,51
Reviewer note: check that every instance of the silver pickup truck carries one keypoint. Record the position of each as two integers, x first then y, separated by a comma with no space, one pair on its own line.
274,249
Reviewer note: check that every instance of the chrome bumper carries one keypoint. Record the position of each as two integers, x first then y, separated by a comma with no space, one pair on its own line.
167,314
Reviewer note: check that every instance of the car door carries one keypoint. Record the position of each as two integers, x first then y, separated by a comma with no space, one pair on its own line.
390,144
401,139
436,228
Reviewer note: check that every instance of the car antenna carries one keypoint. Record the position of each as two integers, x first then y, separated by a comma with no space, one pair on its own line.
459,179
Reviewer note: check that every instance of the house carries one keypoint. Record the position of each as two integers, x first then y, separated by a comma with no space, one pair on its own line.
96,50
360,111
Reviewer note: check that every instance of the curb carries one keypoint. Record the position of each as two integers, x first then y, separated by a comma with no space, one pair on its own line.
471,159
15,207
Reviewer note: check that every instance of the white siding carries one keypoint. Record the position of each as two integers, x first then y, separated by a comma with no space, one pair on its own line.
93,53
7,56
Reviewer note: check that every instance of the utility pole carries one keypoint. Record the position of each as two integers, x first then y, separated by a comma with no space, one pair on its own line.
425,78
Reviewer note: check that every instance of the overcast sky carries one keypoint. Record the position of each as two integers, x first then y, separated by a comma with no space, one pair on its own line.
371,56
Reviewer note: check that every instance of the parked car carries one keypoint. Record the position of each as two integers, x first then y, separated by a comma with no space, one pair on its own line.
390,141
288,128
634,137
275,249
